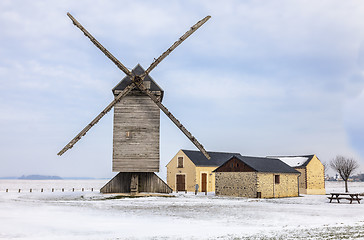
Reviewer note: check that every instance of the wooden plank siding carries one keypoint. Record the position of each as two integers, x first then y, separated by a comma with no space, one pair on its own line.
234,165
136,134
147,182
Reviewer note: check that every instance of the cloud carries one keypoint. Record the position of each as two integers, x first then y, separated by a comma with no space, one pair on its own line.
281,77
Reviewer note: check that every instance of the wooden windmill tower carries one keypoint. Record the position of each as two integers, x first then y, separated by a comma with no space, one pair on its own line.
137,102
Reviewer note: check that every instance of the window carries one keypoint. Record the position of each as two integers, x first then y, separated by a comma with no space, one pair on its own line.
127,134
180,162
147,84
276,179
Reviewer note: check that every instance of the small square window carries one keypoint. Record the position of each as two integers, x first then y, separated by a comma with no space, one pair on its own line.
147,84
276,179
180,162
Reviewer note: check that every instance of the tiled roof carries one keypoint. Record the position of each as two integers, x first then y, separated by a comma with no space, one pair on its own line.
217,158
259,164
263,164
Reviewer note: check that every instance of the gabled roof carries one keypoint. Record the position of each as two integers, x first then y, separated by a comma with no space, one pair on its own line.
138,70
217,158
263,164
295,161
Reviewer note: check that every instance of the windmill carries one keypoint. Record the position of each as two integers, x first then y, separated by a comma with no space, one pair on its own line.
137,104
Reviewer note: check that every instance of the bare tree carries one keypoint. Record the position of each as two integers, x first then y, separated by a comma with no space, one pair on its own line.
345,167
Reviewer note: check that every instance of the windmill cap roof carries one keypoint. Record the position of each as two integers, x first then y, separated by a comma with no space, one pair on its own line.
138,70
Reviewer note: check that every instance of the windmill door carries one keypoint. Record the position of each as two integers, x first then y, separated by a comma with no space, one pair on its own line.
204,182
181,182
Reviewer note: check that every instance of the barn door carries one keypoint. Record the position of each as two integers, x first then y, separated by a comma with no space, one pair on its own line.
203,182
181,182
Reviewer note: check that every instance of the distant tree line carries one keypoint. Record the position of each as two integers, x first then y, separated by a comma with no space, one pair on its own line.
358,177
39,177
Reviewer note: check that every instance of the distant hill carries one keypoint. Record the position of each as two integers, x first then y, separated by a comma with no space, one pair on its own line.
82,178
40,177
8,177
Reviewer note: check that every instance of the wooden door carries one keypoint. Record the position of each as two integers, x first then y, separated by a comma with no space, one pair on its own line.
203,182
181,182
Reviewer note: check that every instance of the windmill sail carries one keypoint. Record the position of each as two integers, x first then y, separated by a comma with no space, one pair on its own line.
175,121
96,120
99,46
136,80
176,44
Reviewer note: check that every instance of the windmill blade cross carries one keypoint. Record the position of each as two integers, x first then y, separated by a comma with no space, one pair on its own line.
174,120
97,119
99,46
175,44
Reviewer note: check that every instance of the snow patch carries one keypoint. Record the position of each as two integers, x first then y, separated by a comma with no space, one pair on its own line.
293,161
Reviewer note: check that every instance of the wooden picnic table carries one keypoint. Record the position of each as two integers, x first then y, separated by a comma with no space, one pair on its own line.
348,196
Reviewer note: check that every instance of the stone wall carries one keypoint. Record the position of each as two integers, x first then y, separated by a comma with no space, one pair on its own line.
312,179
249,184
265,184
239,184
302,180
287,186
315,177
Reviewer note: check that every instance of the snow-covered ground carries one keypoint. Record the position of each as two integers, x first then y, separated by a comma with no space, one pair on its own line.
91,215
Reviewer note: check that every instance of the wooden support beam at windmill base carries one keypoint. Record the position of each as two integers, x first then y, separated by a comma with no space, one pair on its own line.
137,104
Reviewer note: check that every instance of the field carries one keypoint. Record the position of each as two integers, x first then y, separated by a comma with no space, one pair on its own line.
91,215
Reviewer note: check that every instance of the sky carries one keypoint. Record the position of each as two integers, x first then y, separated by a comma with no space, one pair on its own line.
259,78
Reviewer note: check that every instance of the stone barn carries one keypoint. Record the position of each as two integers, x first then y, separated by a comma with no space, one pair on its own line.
188,168
256,177
312,179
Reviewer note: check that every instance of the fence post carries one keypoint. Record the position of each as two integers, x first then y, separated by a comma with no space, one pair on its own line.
73,189
92,189
52,189
62,189
41,190
30,190
82,189
19,190
7,190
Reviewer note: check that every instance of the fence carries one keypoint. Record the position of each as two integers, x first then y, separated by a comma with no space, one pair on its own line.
30,190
